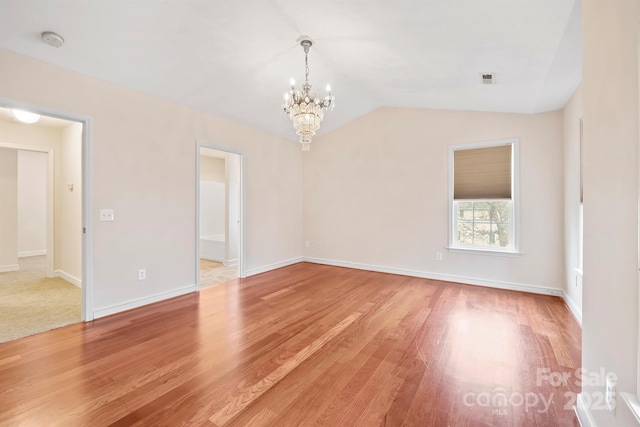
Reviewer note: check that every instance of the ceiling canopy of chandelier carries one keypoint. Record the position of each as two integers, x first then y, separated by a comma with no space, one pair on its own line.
306,110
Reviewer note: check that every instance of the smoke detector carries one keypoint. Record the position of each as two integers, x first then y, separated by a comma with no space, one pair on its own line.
52,39
488,78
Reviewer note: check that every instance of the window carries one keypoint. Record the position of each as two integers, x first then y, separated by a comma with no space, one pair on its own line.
581,212
482,196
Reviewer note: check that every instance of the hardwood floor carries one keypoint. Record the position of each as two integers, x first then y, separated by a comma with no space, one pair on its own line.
301,346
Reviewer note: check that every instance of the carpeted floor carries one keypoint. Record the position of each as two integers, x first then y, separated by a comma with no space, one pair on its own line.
31,303
213,272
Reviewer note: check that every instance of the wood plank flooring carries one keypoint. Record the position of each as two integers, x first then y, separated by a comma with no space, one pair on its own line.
305,345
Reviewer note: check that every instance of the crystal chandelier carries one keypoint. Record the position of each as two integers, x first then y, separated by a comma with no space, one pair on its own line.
306,110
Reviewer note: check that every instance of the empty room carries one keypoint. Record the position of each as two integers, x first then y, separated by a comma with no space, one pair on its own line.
338,213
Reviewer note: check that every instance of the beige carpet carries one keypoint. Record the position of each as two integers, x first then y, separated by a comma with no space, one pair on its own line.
213,272
31,303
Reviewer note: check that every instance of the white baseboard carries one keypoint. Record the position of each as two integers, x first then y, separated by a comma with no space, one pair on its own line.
230,262
212,259
8,268
117,308
583,413
436,276
573,307
264,269
32,253
68,277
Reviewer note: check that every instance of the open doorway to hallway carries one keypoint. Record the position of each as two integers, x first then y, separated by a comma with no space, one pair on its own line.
40,225
219,216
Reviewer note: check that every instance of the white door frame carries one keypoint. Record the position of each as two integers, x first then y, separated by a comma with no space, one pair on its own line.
87,186
241,228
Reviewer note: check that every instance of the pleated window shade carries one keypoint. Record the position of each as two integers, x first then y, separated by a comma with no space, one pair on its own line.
482,173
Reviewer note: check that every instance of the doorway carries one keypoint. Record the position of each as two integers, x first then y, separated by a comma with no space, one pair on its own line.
219,215
47,225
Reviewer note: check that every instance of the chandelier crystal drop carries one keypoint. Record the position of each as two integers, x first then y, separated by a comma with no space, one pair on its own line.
306,110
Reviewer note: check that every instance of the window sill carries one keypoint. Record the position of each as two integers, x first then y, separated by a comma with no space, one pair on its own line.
633,404
490,252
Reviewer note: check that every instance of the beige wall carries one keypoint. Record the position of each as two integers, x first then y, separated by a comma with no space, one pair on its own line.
143,164
376,193
32,203
68,205
34,136
573,279
610,292
8,209
212,169
232,200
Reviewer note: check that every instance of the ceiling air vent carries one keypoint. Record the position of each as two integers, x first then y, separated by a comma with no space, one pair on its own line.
488,78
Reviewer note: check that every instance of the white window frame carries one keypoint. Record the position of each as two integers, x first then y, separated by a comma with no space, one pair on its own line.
514,250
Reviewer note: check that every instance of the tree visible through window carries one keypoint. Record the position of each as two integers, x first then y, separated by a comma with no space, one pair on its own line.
484,223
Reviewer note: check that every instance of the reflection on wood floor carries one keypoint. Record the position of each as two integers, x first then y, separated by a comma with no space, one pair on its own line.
306,345
214,272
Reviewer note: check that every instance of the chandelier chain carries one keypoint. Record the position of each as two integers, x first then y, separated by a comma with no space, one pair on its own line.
306,68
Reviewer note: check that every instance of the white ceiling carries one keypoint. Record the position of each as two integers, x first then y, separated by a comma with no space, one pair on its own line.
235,58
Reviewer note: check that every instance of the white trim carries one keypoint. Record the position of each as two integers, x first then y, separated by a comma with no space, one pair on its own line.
230,262
139,302
491,252
208,258
197,196
87,222
573,307
25,254
9,267
633,404
264,269
583,413
68,277
637,307
443,277
51,190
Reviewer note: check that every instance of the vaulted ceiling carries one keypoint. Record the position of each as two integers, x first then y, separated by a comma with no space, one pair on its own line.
234,59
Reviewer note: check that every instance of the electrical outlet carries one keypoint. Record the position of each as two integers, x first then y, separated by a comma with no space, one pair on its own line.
610,394
306,243
142,274
107,215
438,256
